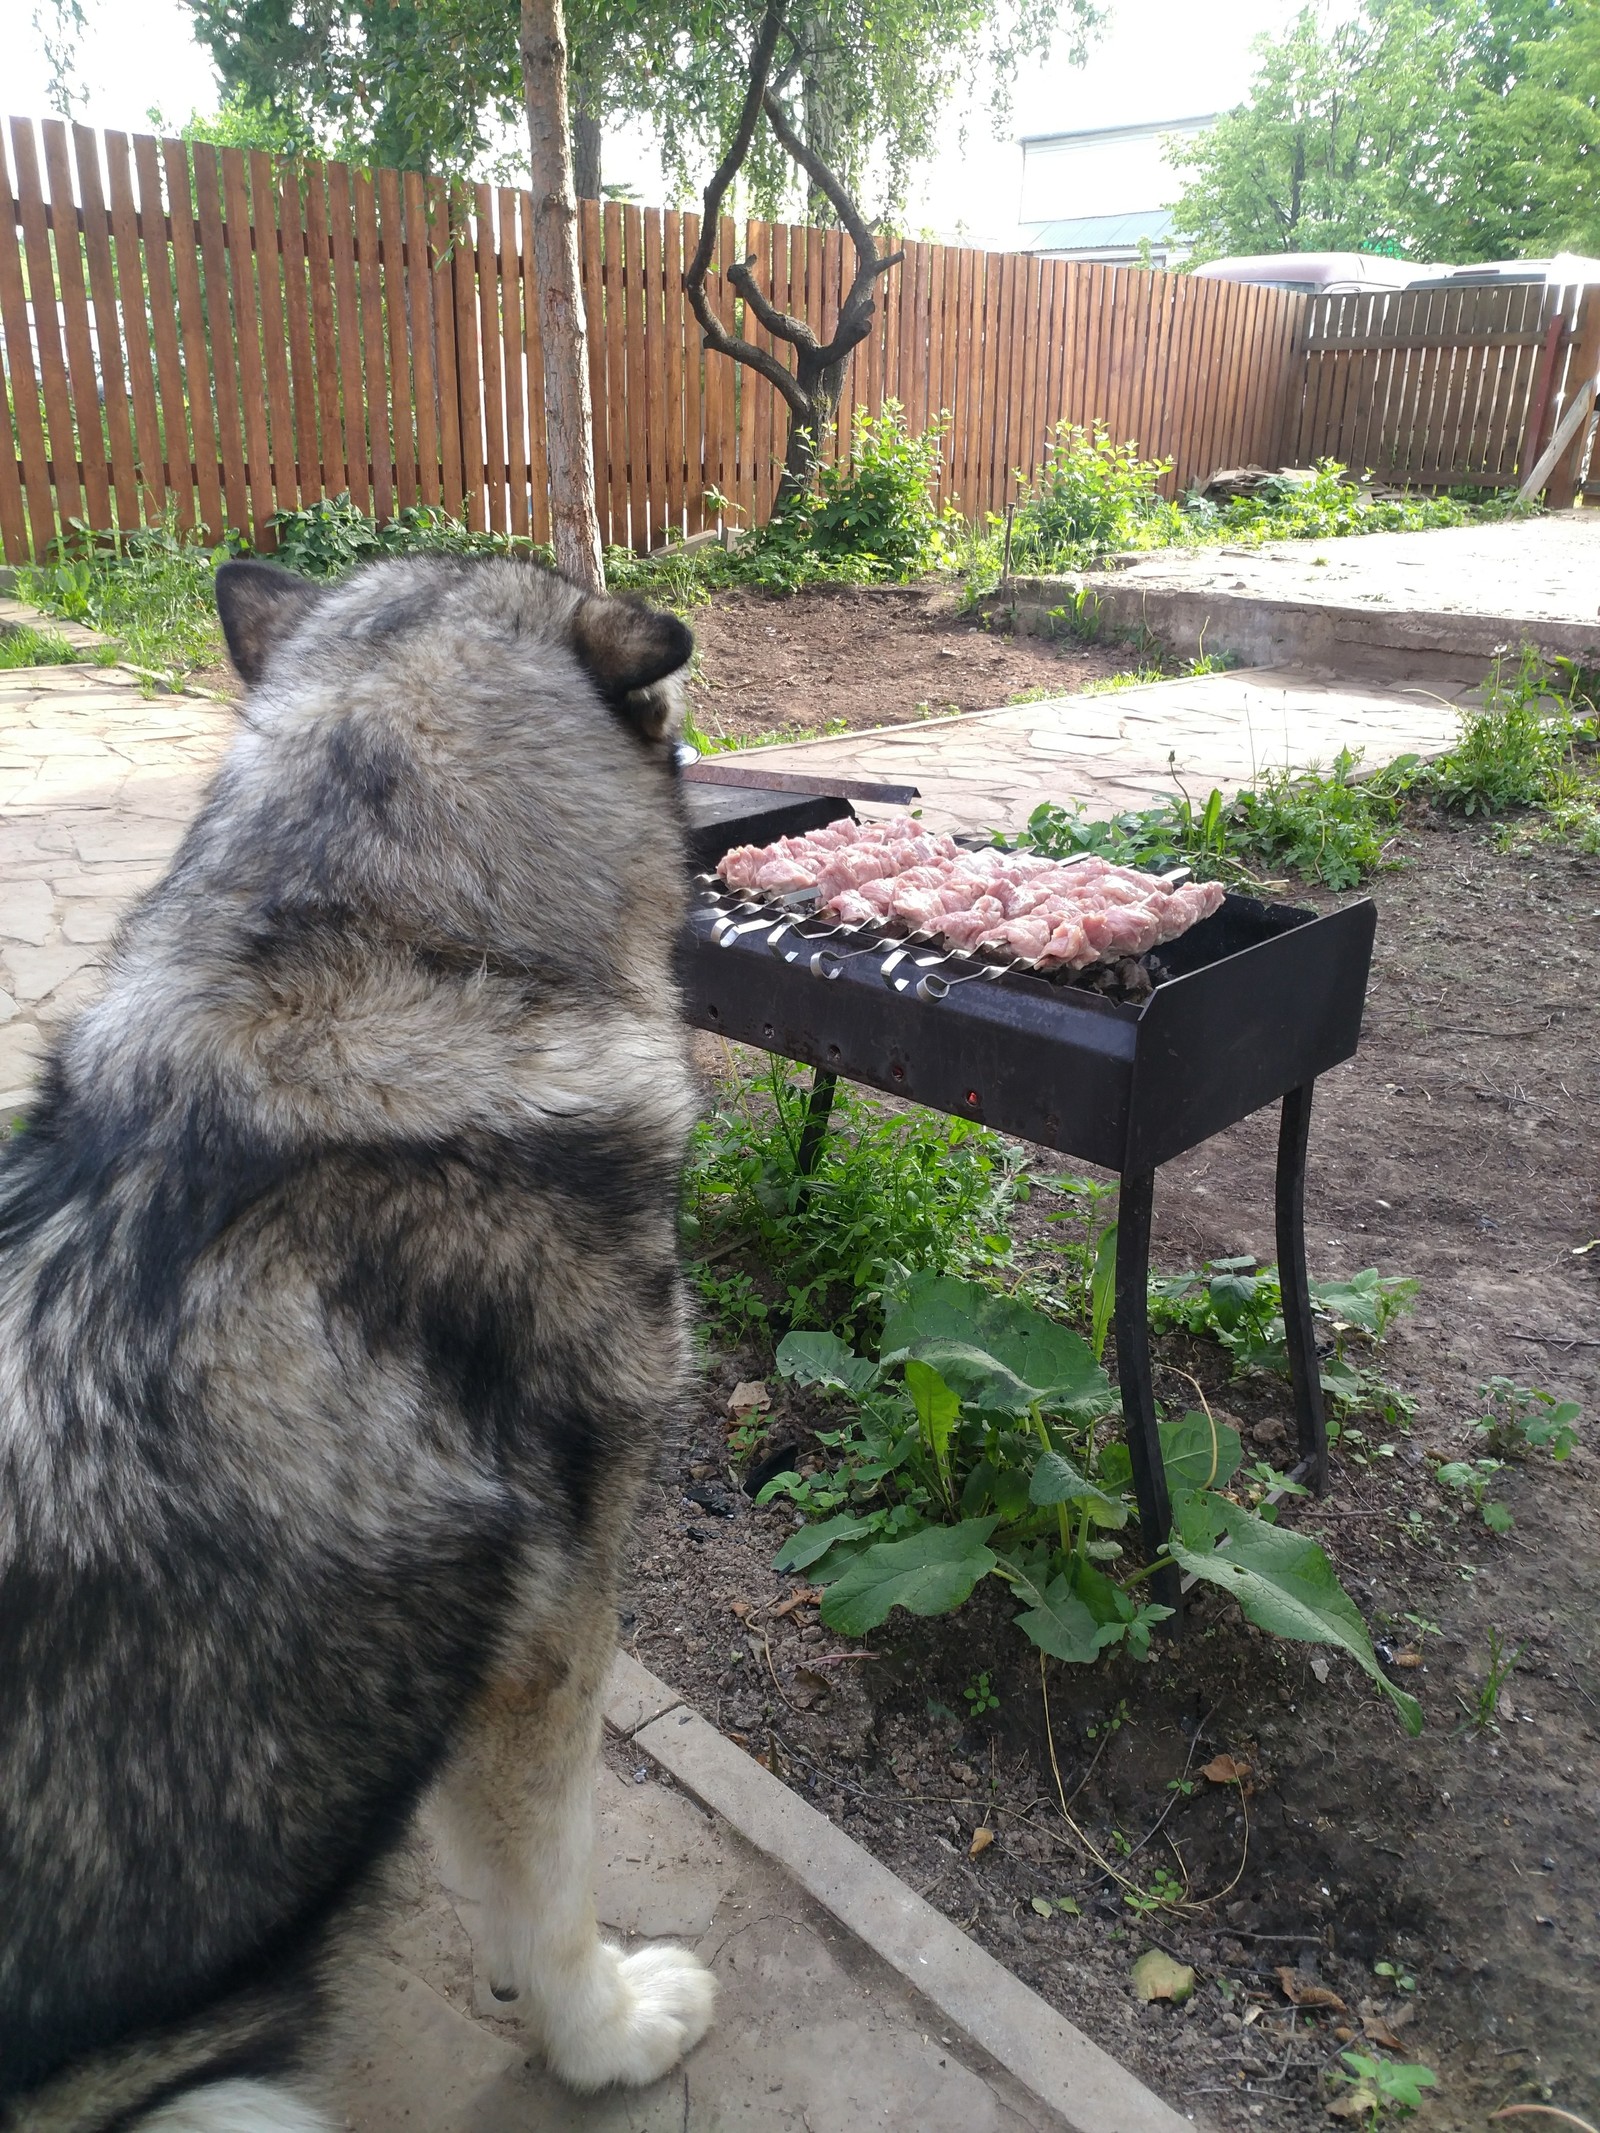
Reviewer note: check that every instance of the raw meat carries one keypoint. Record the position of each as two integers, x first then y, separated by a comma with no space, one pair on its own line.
1046,912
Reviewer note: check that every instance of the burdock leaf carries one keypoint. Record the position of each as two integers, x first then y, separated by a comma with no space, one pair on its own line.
1283,1582
998,1354
824,1359
1057,1480
927,1574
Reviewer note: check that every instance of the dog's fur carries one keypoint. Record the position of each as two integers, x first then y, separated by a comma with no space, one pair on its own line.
338,1318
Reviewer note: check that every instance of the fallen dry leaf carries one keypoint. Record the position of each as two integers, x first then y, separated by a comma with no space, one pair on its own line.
1225,1770
808,1687
1156,1976
749,1397
1359,2102
740,1608
1308,1996
1377,2031
981,1841
802,1596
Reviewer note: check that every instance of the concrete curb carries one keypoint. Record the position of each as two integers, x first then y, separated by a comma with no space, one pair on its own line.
1261,629
1040,2048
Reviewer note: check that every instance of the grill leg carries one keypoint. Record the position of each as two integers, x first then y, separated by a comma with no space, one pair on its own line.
819,1106
1294,1131
1133,1376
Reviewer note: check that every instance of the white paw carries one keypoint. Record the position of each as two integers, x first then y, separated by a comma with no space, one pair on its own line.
640,2015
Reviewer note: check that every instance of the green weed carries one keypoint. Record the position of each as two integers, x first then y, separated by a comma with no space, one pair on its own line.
889,1191
1483,1710
1385,2084
1520,747
1329,827
980,1697
1519,1419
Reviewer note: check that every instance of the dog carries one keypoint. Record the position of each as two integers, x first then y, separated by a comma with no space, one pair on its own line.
339,1321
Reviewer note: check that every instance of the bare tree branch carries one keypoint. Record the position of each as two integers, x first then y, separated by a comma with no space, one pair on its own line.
778,323
761,58
812,388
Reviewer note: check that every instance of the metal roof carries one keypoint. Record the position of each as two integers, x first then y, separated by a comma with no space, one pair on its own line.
1130,130
1095,233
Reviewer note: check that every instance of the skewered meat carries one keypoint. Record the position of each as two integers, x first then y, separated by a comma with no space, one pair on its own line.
1051,913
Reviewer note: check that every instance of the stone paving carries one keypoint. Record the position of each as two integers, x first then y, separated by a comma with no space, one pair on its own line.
98,779
1525,570
97,782
989,769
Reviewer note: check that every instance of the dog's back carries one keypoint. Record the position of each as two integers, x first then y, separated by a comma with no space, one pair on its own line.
337,1300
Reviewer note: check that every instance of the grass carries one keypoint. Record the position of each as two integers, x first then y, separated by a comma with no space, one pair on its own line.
151,592
23,646
1525,757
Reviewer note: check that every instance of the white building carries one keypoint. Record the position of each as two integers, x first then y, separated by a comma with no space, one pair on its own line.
1105,192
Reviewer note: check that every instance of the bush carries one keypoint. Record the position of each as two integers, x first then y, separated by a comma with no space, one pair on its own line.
1090,498
881,506
331,536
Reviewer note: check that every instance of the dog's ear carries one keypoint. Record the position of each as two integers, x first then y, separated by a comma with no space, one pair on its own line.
259,605
629,649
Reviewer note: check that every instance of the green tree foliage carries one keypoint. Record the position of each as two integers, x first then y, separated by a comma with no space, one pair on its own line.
428,83
1434,129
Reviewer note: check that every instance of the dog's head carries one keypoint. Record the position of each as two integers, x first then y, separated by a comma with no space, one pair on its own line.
477,748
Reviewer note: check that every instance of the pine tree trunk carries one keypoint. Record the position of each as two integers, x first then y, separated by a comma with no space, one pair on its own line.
569,418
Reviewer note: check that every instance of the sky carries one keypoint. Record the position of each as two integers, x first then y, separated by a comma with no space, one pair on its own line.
1156,59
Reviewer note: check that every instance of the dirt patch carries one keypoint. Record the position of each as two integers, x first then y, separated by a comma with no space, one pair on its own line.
1459,1148
868,656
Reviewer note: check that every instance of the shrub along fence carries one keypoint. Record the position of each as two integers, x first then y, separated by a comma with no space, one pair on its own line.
220,335
233,334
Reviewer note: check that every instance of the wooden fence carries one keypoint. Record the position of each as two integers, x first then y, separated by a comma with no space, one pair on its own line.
1441,387
231,335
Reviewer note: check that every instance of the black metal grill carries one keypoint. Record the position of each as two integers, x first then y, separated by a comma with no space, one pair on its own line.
1246,1008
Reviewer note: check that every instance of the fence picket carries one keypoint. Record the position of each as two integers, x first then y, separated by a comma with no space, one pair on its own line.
395,286
283,471
420,336
233,336
33,532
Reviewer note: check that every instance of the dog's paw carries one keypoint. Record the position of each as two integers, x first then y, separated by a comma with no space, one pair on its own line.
643,2013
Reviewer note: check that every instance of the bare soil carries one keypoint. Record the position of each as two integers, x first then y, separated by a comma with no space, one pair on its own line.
868,656
1459,1148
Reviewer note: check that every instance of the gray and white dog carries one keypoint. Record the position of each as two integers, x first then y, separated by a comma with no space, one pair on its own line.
339,1315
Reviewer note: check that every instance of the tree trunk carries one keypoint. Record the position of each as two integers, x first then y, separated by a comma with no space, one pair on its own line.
569,418
821,387
585,143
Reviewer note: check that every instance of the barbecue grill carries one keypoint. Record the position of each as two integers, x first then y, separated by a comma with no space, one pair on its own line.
1246,1008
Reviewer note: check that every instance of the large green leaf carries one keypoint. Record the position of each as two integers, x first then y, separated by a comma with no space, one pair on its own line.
824,1359
804,1550
1197,1458
1057,1480
1282,1580
1057,1620
927,1574
938,1411
997,1353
